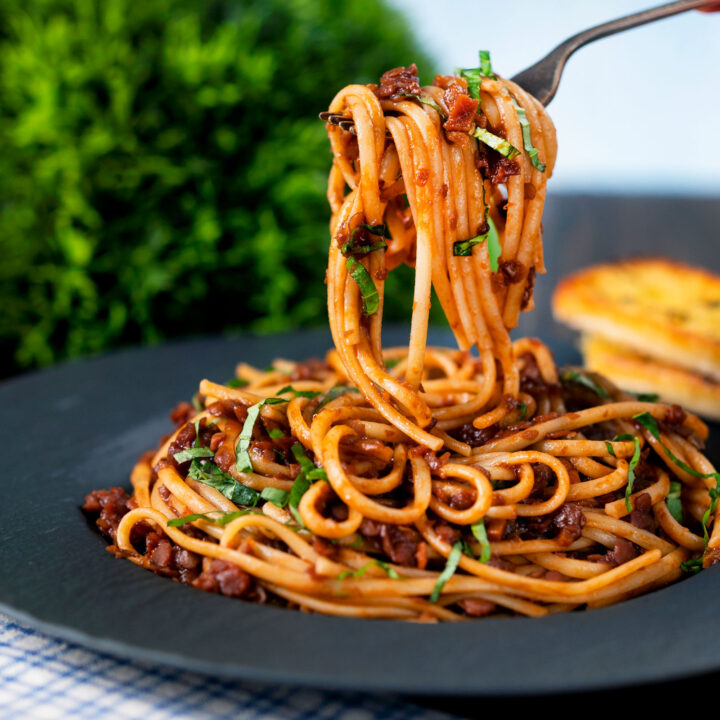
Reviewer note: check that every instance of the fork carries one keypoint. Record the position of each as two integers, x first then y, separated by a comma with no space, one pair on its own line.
542,79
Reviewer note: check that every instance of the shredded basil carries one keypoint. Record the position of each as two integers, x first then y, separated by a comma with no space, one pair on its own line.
306,465
370,297
634,460
448,572
391,573
210,474
193,452
649,422
197,405
463,248
646,397
236,382
243,462
674,501
298,393
691,566
275,434
610,448
523,411
473,77
569,375
486,65
497,143
428,102
357,250
390,364
307,475
223,519
275,496
480,534
530,149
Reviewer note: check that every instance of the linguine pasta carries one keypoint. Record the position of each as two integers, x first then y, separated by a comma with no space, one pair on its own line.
418,482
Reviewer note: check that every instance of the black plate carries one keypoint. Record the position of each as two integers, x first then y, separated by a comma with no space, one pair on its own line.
81,426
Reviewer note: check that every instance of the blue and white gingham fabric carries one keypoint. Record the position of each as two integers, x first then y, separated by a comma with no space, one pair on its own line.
41,677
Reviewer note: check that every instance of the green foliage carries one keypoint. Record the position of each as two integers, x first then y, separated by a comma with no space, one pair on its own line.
162,170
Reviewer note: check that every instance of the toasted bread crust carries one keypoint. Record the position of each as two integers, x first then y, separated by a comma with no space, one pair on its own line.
655,306
638,373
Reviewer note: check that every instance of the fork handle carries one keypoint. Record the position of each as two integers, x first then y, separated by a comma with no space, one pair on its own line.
554,62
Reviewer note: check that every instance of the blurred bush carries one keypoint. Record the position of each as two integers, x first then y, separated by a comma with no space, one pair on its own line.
162,170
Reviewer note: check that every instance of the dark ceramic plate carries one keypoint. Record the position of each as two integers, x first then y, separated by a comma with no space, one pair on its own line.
81,426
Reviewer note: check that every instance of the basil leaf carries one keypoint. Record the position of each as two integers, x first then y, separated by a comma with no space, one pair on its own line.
691,566
193,452
361,571
368,291
674,501
306,465
243,462
634,460
448,572
463,248
332,394
530,149
357,250
275,434
497,143
646,397
610,449
197,405
223,519
428,102
298,393
649,422
569,375
275,496
390,364
236,382
480,534
523,411
494,247
486,65
210,474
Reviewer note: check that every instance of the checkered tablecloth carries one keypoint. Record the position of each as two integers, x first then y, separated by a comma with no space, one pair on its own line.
42,677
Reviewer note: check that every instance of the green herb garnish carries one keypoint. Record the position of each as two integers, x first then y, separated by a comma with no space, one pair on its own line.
368,291
634,460
692,566
530,149
523,411
298,393
463,248
223,519
486,65
236,382
197,405
427,101
497,143
210,474
448,572
650,424
243,462
275,433
674,502
306,464
361,571
192,453
480,534
578,378
275,496
646,397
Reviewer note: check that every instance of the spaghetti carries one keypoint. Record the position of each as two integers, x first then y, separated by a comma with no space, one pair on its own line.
417,482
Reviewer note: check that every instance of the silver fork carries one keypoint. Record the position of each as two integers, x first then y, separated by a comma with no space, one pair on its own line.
542,78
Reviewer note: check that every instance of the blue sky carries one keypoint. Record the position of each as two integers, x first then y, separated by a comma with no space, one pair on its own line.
636,112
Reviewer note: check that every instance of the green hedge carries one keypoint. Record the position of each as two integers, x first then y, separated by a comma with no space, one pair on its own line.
162,170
